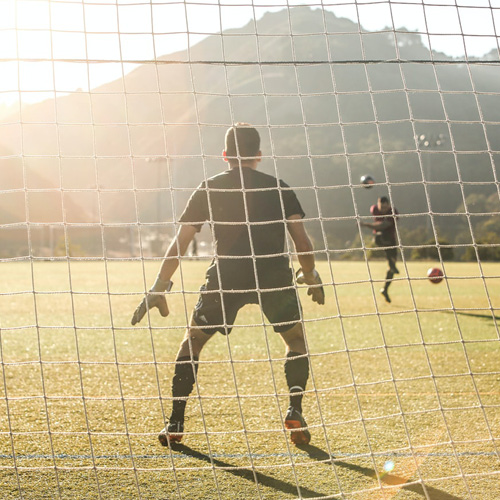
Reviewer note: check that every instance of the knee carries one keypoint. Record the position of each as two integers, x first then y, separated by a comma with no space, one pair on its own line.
298,347
295,339
192,343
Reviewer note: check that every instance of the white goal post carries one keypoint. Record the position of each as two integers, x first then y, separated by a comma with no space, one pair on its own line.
112,112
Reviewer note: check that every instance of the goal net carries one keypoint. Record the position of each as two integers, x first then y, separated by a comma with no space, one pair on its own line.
112,112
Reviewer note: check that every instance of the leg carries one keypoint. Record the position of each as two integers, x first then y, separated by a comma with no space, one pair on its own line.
280,307
391,255
193,342
388,278
211,311
186,368
296,373
296,364
294,340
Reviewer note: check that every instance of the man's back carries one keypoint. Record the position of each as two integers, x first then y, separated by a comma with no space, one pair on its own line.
248,211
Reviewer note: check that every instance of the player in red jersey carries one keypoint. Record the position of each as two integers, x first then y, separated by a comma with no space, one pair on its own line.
384,230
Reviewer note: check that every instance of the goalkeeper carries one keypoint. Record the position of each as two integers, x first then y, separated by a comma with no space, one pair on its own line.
384,231
250,212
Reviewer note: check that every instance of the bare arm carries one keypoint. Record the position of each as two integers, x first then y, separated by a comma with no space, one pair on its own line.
176,249
377,226
156,296
302,243
307,273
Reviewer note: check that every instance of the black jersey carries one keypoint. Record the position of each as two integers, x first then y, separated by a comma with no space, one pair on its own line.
386,236
247,210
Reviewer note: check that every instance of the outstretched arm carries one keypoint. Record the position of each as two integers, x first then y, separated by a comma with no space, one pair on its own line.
377,226
176,249
156,296
304,248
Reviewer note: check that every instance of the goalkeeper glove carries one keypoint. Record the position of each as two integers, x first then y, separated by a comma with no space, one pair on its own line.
154,298
315,285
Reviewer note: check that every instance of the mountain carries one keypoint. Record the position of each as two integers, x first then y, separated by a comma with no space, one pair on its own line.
112,156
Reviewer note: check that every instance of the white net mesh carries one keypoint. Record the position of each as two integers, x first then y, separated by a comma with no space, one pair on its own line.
111,113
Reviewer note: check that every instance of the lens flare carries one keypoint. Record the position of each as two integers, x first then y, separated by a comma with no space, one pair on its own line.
389,466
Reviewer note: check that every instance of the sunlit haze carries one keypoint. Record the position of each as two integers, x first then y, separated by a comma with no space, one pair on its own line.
39,39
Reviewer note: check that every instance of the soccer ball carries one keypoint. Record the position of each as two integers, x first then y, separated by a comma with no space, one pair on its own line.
435,275
368,181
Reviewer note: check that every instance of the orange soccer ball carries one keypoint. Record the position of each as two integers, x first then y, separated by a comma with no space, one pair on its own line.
435,275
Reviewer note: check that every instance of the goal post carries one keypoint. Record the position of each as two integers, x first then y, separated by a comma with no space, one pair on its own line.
113,112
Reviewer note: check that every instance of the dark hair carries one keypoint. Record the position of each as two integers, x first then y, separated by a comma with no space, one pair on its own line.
384,199
242,141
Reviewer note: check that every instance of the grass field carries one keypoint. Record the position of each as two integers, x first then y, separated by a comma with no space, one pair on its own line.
414,383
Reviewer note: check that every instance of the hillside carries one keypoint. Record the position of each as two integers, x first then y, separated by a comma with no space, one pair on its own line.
105,152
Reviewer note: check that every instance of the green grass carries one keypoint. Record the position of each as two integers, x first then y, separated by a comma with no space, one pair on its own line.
83,394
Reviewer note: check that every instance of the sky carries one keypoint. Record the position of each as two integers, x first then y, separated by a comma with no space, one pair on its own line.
39,38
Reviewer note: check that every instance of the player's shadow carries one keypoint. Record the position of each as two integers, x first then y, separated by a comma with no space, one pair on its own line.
322,456
464,313
474,315
249,474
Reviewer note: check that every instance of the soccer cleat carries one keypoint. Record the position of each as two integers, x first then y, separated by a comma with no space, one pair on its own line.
385,293
294,421
172,433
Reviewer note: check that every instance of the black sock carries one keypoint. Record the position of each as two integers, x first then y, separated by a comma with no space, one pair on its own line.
296,373
182,385
388,279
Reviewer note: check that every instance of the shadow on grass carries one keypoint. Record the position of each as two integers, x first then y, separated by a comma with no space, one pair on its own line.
249,474
463,313
318,454
473,315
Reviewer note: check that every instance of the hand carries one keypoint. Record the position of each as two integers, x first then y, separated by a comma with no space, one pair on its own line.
154,298
315,285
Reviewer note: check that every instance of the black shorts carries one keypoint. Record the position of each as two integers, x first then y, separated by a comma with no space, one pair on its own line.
216,310
383,241
391,254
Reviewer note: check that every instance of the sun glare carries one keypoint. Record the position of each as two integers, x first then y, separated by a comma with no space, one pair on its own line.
59,46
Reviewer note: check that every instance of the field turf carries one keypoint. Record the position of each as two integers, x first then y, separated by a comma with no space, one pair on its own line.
403,401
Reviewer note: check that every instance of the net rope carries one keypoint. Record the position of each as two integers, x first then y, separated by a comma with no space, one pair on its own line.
402,398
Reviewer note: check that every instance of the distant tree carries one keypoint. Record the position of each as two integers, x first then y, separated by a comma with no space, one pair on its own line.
412,236
486,230
475,203
430,251
491,225
488,249
493,203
